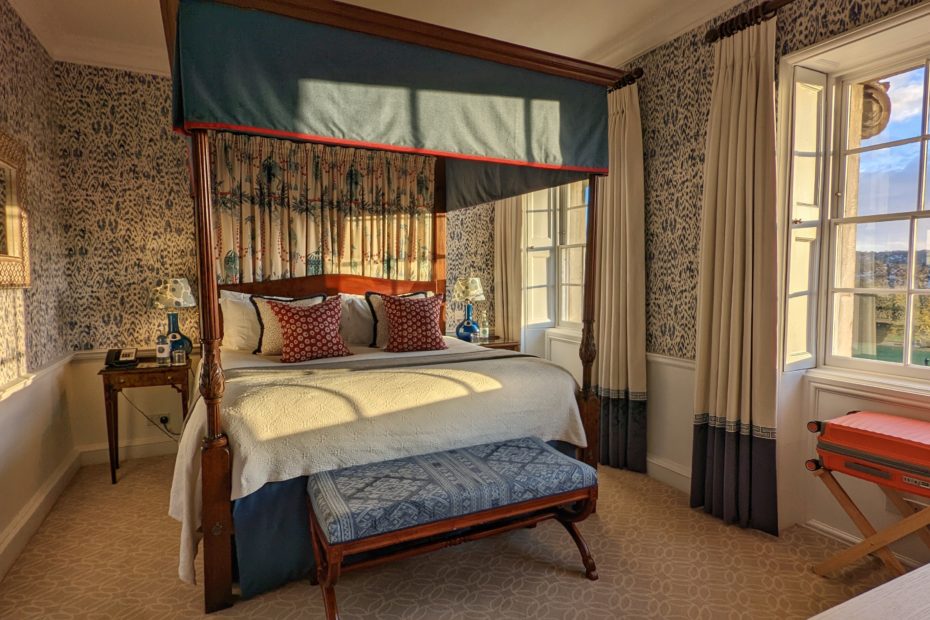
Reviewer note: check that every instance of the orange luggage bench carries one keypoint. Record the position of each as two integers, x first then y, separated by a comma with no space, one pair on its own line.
891,451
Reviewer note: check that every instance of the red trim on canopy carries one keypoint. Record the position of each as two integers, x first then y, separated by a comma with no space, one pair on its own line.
276,133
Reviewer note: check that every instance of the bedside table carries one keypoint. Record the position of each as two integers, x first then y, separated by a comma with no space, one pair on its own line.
146,374
495,342
507,345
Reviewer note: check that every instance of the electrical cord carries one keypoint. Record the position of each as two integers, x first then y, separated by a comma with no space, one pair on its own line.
161,427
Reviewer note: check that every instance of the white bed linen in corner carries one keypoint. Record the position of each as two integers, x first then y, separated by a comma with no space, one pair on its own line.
288,422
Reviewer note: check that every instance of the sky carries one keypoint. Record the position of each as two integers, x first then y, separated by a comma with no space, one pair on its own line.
888,179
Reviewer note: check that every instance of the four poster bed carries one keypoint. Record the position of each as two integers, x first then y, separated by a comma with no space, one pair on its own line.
499,119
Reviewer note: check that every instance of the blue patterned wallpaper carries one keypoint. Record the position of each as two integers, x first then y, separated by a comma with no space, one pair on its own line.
31,334
126,181
470,252
675,103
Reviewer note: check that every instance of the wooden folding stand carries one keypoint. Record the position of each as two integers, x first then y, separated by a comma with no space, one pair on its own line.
890,476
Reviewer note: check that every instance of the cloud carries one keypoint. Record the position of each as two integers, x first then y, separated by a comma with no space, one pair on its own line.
907,95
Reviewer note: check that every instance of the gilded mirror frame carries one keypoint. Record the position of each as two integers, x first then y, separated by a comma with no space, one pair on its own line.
14,269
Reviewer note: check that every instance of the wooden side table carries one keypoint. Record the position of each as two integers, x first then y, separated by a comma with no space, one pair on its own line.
507,345
146,374
495,342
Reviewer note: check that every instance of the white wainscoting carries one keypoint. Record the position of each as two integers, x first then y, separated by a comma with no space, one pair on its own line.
562,348
670,392
37,455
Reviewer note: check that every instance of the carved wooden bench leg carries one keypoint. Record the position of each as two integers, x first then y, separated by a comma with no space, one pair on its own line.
586,557
327,567
328,582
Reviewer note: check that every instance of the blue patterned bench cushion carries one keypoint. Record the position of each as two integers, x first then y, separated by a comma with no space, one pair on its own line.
365,500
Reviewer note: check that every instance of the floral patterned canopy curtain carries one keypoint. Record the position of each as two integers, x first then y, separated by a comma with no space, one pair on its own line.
287,209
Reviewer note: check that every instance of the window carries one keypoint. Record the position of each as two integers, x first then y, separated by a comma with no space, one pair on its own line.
879,271
871,242
805,200
556,227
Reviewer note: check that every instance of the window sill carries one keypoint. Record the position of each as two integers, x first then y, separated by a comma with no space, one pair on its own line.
870,382
567,333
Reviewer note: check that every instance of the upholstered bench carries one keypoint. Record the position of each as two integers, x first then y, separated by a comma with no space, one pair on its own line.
364,515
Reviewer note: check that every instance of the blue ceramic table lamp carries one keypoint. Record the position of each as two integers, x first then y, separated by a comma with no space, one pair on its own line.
468,290
171,294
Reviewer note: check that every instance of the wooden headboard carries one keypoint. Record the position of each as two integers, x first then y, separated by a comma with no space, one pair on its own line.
331,284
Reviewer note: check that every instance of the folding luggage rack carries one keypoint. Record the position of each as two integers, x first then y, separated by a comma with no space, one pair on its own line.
891,451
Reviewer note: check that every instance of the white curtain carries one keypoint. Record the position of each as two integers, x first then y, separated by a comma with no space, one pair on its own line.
620,289
508,267
733,467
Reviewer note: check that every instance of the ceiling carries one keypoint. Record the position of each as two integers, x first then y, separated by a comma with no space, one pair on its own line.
127,34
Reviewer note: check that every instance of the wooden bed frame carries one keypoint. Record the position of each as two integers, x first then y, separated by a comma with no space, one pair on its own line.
217,523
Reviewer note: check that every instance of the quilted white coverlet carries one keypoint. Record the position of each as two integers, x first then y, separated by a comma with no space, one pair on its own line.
285,421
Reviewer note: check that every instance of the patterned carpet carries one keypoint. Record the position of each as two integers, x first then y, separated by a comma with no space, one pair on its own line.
111,552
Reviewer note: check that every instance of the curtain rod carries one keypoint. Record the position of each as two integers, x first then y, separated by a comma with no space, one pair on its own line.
753,16
630,77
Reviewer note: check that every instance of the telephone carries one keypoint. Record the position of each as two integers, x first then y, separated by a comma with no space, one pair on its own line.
121,358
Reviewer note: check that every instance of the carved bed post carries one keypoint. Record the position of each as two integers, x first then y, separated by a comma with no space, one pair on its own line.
215,455
438,273
588,402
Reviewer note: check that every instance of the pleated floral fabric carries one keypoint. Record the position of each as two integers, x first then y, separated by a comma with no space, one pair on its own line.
287,209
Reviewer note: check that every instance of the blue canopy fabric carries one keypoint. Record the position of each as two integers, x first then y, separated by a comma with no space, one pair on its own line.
259,73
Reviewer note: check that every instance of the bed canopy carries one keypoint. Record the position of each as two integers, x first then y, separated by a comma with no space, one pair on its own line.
501,119
504,130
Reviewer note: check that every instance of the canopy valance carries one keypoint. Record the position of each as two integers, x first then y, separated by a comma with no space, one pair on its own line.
260,73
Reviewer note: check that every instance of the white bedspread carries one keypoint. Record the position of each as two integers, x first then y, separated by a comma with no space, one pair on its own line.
289,420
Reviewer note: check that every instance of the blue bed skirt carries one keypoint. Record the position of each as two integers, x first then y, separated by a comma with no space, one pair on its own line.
272,544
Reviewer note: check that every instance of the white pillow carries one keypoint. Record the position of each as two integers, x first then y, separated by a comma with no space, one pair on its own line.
271,338
241,329
356,324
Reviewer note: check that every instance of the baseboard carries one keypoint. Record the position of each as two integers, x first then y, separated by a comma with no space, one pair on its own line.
851,539
666,360
94,454
669,472
13,539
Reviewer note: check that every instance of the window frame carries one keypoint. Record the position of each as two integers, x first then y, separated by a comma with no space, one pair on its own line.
564,206
814,291
833,216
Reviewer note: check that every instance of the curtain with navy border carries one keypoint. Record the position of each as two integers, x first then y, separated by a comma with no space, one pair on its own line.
733,460
620,289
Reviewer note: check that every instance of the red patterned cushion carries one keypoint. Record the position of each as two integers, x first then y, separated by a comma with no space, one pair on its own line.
310,332
414,324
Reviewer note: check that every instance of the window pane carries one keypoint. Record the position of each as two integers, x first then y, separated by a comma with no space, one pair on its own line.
798,325
578,194
806,163
572,304
920,334
572,265
922,262
576,222
802,257
882,181
539,221
869,326
538,267
872,255
887,109
537,301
